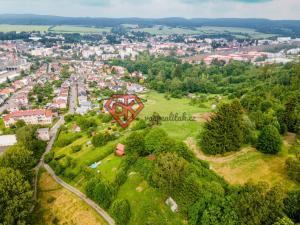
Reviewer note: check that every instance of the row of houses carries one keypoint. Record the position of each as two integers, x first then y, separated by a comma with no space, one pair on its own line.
84,105
5,93
30,117
61,100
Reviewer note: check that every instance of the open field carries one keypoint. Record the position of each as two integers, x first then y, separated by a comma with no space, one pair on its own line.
209,30
179,130
248,164
59,206
20,28
78,29
155,30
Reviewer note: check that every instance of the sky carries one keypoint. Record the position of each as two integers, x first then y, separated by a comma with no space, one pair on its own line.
271,9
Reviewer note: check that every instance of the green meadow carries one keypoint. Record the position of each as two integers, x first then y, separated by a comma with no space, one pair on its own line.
179,130
20,28
78,29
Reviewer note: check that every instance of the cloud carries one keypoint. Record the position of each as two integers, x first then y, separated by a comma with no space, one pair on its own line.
273,9
220,1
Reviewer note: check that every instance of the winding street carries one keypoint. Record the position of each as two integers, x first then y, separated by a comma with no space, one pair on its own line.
53,131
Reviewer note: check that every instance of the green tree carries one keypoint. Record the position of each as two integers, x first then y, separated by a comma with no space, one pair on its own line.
100,191
291,114
269,140
135,143
292,205
168,171
18,158
158,141
26,136
120,210
225,131
15,198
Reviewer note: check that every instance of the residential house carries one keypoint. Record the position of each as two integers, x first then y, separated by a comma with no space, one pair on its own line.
43,134
35,116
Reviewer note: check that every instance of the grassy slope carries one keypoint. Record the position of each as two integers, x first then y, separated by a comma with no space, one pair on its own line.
249,164
66,208
179,130
142,197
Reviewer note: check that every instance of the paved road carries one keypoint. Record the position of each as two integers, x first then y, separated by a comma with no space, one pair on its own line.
53,131
73,98
82,196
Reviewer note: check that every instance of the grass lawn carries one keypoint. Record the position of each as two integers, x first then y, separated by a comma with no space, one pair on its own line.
57,204
179,130
20,28
148,204
79,29
109,166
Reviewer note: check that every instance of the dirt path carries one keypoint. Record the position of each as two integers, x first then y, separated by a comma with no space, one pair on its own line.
218,158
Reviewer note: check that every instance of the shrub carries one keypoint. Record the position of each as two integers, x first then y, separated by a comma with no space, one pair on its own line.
76,148
59,157
56,167
106,118
293,168
51,199
269,140
49,156
101,139
139,125
68,173
120,210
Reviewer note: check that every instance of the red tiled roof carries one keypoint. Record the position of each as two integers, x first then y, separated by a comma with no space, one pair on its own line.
34,112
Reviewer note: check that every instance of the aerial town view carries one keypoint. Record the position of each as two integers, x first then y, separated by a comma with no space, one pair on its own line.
156,112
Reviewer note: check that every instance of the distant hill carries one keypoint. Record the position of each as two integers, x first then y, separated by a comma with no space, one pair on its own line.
282,27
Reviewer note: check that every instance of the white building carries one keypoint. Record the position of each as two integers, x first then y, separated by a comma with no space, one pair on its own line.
36,116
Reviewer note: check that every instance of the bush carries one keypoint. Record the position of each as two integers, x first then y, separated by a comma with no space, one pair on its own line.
49,156
101,139
269,140
56,167
59,157
139,125
106,118
51,199
76,148
68,173
293,168
120,210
